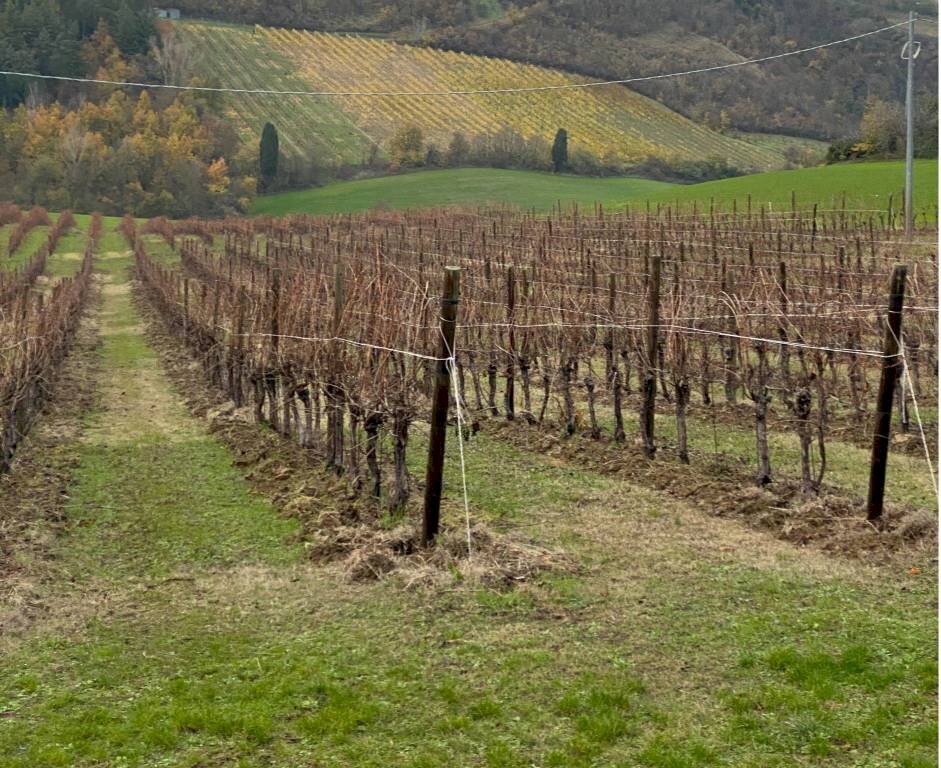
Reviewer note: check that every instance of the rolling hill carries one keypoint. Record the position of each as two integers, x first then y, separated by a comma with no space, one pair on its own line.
822,94
461,186
866,185
612,123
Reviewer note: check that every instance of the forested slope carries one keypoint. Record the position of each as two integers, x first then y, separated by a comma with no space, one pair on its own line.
821,94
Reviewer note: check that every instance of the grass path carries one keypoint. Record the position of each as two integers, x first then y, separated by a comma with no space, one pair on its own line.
183,626
154,491
66,259
34,238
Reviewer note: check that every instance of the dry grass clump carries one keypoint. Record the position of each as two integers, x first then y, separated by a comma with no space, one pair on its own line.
349,532
918,525
495,560
838,524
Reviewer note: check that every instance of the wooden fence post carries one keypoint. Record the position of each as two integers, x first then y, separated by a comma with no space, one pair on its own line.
785,352
236,374
648,409
336,436
186,309
274,337
891,368
509,398
434,472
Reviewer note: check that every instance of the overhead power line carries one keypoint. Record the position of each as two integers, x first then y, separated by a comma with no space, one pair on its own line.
475,92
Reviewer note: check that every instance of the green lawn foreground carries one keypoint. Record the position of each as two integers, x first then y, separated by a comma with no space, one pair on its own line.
184,627
866,185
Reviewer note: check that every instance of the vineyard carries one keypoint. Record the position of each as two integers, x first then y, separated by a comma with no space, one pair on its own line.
611,122
469,463
631,329
653,546
36,327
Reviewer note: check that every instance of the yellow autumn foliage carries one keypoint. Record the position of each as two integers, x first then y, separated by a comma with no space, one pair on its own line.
613,122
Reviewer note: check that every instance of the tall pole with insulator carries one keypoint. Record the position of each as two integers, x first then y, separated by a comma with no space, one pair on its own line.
909,54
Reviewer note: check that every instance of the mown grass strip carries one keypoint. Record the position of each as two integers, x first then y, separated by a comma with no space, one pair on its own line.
66,259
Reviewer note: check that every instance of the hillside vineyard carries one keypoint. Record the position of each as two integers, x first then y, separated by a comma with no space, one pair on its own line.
611,122
328,327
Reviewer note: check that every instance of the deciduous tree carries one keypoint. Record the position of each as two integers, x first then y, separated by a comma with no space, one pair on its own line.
407,146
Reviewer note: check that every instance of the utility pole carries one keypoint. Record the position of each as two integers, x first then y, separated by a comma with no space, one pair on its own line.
909,53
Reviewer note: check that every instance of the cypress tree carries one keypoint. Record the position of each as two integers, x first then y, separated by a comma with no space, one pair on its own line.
560,151
133,28
268,155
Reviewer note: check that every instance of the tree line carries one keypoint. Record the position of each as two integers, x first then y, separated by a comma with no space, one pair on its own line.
410,149
882,132
101,148
48,37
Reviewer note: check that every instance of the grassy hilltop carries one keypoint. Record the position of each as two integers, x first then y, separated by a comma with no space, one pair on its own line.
866,185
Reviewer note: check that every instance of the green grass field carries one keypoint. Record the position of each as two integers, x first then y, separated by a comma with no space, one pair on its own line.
866,185
463,186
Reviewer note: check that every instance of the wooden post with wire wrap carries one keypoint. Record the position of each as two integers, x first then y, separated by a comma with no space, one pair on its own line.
891,367
434,472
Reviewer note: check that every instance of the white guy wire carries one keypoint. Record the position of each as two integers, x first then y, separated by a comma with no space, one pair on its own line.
907,378
327,339
906,374
478,92
615,326
452,369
